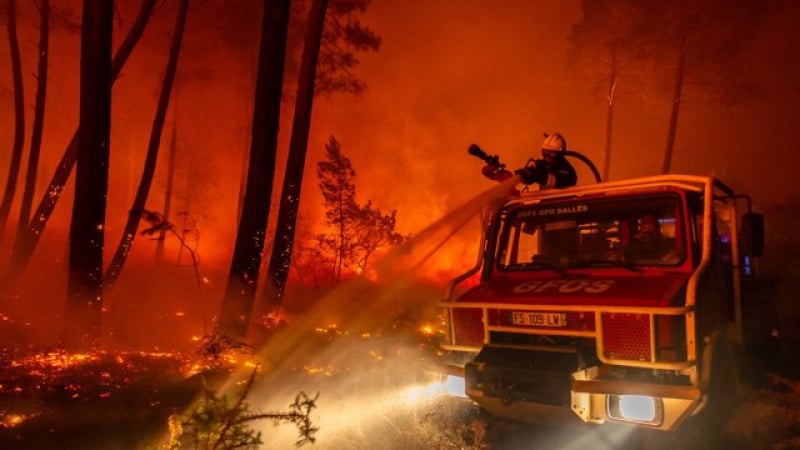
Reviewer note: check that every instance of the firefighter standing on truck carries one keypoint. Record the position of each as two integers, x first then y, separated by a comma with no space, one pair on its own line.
551,171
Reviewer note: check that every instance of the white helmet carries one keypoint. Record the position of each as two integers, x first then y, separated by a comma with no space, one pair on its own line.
554,142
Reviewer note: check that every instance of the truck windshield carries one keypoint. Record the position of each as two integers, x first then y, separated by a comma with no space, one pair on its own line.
626,232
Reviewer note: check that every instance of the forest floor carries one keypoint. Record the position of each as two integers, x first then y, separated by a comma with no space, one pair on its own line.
119,400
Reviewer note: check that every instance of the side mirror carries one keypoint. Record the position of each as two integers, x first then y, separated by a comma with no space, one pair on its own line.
752,234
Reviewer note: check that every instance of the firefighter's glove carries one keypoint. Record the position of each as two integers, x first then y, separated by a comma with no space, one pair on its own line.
532,174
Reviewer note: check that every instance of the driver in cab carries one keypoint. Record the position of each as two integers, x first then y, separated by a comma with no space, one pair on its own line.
648,245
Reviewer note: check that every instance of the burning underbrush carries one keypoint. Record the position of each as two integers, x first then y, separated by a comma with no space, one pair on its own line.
365,380
100,399
379,388
362,388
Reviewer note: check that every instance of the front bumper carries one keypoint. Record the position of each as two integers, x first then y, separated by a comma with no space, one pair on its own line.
557,386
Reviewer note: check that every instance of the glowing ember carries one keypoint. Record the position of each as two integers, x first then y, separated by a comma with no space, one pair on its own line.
56,360
426,330
326,370
99,374
11,420
269,321
329,329
175,430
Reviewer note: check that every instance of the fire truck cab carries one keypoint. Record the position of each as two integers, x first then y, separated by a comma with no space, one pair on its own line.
617,301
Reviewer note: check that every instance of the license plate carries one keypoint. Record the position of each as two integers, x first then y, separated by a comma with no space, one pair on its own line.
539,319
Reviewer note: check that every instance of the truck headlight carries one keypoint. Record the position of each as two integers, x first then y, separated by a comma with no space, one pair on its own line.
641,409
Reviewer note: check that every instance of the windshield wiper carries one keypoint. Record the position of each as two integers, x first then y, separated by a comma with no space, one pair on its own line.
607,263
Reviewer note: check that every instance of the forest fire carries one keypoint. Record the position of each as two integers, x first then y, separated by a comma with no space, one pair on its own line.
86,374
365,379
34,385
213,133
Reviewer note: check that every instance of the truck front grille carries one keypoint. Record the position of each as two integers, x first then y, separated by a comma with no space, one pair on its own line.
468,326
626,336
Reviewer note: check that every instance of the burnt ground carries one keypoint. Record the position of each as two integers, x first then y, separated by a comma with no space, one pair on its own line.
116,401
124,400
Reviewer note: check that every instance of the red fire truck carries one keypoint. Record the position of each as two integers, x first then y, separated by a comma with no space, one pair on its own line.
567,312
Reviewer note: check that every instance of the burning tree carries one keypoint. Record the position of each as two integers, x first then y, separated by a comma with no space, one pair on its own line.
278,268
85,286
134,216
333,35
38,116
239,297
28,236
330,39
19,115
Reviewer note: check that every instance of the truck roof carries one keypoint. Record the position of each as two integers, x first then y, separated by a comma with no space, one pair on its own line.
694,183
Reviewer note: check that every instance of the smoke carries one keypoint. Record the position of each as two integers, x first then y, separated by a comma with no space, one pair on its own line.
374,394
375,356
360,302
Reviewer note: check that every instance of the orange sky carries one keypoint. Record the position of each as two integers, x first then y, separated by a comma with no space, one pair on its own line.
457,72
449,73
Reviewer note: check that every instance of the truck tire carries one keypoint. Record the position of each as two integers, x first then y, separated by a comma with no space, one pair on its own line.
724,393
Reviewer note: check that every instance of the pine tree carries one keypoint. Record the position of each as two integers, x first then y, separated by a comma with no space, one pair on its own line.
237,304
357,231
87,228
335,175
140,201
19,117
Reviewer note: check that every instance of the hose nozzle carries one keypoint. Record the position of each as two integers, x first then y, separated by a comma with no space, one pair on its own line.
476,151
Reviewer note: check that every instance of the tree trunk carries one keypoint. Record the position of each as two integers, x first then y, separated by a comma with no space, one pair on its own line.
280,260
237,304
26,240
86,235
612,86
676,106
140,201
340,254
38,117
19,118
173,145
